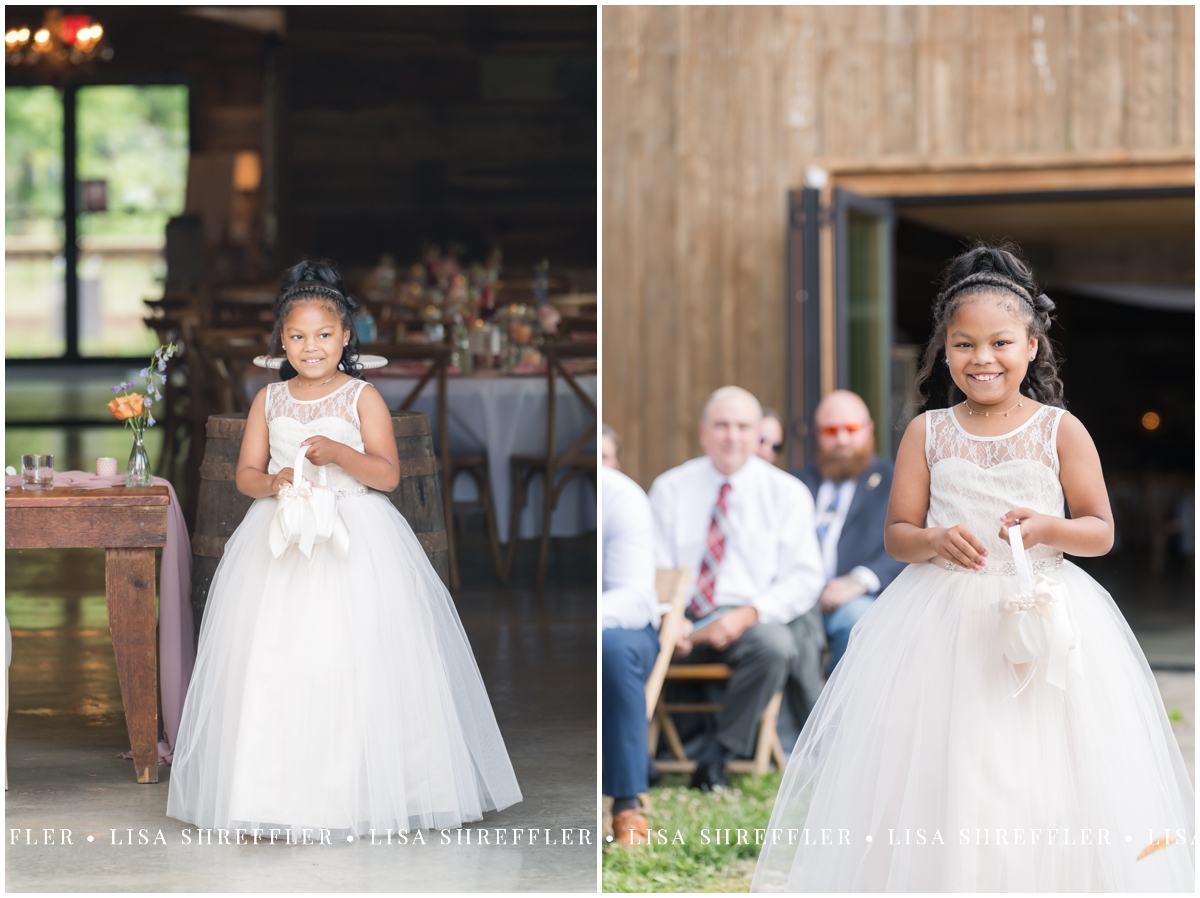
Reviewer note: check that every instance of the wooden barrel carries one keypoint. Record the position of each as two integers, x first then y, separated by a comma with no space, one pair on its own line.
221,507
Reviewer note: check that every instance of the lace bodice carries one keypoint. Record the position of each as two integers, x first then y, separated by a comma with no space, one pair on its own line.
974,480
291,421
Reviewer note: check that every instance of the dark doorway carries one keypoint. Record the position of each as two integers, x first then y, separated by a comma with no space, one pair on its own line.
1121,270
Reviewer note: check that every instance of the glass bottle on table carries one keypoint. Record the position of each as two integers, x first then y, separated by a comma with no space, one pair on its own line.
462,346
487,302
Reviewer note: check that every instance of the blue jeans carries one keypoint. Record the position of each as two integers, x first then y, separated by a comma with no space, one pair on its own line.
627,659
840,622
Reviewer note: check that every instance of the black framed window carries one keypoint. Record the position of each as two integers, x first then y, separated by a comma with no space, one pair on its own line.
79,263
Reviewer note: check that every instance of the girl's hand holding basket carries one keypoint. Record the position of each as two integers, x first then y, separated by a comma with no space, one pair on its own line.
323,450
1035,527
282,479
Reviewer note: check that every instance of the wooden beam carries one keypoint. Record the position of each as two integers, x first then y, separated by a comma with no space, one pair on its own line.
1018,181
1015,173
1010,161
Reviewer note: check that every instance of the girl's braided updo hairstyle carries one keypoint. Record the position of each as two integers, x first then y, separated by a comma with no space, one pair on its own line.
317,281
999,273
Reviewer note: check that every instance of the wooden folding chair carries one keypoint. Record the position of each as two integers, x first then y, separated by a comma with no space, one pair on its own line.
438,356
572,463
659,711
671,585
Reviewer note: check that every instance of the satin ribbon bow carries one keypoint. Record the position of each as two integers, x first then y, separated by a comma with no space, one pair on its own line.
307,516
1034,622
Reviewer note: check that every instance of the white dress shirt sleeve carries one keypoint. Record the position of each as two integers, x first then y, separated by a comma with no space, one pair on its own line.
868,579
662,502
801,574
629,600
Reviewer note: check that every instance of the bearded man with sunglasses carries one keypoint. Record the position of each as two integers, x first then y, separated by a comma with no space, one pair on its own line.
850,486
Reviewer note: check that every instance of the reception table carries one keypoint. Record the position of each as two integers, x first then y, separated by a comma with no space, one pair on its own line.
128,524
502,415
87,510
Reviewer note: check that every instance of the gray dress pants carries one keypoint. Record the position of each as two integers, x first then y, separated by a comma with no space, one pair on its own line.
806,680
766,659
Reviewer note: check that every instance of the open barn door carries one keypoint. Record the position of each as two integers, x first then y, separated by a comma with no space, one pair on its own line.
864,285
803,323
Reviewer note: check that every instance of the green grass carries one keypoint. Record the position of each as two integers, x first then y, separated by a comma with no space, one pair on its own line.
692,823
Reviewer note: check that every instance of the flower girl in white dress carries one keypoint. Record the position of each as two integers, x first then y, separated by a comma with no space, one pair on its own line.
337,692
984,732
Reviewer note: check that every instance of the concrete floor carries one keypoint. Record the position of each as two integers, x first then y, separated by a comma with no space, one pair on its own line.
66,724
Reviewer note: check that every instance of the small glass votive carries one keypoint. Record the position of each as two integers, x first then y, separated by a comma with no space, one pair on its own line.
37,472
106,467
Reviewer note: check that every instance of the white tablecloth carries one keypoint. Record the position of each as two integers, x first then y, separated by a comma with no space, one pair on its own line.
502,416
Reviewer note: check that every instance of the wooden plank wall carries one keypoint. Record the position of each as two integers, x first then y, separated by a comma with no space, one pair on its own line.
411,124
710,114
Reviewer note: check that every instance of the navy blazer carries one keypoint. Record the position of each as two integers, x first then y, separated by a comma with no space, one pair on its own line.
861,540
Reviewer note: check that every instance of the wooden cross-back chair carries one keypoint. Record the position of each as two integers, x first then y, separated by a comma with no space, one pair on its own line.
247,305
438,356
217,359
476,467
226,353
557,469
672,589
584,325
172,322
579,314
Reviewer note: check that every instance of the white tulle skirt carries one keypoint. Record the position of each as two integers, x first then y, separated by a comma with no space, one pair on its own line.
339,694
918,771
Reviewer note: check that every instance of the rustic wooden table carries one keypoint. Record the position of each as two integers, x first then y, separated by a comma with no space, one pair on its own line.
129,524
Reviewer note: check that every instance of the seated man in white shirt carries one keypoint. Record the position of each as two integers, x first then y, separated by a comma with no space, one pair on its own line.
629,609
746,529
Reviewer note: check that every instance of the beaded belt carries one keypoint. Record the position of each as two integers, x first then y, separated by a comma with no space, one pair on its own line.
346,494
1053,563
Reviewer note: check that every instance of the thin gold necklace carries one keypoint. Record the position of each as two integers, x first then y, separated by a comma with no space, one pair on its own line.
322,383
967,403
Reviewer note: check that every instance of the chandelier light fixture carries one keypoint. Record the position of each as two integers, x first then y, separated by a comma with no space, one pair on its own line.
61,41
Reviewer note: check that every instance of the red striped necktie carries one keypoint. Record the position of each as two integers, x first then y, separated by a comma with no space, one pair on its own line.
702,602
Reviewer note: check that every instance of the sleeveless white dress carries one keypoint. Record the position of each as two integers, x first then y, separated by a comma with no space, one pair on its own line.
918,769
336,694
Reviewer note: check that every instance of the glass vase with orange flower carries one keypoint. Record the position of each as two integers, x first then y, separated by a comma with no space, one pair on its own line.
135,410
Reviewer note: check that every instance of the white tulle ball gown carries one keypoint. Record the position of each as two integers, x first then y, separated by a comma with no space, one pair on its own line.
918,769
335,694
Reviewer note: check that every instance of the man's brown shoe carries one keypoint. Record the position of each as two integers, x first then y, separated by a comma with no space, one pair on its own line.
630,827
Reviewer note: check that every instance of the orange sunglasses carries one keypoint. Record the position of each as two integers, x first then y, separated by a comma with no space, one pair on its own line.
833,429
